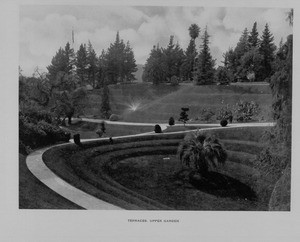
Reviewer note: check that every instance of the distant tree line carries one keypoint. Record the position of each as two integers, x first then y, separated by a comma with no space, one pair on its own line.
252,59
114,65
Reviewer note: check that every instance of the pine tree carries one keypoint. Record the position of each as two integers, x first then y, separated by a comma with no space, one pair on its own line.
115,61
173,57
205,63
243,45
155,68
253,37
91,64
63,61
267,49
82,63
102,68
129,65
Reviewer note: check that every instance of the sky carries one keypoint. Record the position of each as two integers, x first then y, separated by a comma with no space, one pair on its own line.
44,29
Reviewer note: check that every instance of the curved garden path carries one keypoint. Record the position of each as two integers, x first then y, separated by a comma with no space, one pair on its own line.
38,168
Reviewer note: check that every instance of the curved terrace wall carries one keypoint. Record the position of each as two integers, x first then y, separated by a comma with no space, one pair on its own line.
84,166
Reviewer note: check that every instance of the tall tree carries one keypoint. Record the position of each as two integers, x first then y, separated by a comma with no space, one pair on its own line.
82,63
205,63
194,31
91,64
267,49
253,37
70,57
101,72
129,65
173,56
243,45
190,54
115,61
155,68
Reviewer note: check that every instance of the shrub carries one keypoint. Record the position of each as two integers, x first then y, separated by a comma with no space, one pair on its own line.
223,76
206,114
157,129
201,152
35,132
225,113
224,122
183,115
99,132
114,117
171,121
174,81
245,111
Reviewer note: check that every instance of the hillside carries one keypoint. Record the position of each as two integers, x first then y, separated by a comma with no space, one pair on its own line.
143,102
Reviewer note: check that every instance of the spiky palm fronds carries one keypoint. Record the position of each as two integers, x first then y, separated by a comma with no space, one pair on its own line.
201,152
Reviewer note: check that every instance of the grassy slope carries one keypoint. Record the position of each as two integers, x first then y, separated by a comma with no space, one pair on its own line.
33,194
122,95
88,130
160,103
199,97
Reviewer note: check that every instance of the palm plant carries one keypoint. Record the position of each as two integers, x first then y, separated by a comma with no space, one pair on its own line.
202,153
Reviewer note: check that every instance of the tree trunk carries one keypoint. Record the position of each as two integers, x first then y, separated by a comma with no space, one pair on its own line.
69,120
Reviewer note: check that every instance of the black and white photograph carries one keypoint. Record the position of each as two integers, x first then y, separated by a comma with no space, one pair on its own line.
153,112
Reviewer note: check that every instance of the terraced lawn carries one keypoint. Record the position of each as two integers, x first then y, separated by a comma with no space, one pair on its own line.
144,173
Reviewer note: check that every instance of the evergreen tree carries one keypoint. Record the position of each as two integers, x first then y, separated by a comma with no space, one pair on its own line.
243,45
130,66
101,72
155,68
105,106
115,58
173,56
251,65
190,54
82,63
267,49
231,63
205,63
91,64
253,37
63,61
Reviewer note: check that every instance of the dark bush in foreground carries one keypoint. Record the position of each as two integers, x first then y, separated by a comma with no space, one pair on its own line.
157,129
35,132
224,122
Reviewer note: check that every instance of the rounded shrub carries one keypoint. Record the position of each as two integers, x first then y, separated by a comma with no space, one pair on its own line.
224,122
171,121
99,132
157,129
114,117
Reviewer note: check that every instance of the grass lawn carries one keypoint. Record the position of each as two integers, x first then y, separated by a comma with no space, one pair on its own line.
182,128
33,194
155,177
88,130
159,103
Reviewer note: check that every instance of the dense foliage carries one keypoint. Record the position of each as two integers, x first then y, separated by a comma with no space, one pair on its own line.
201,153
